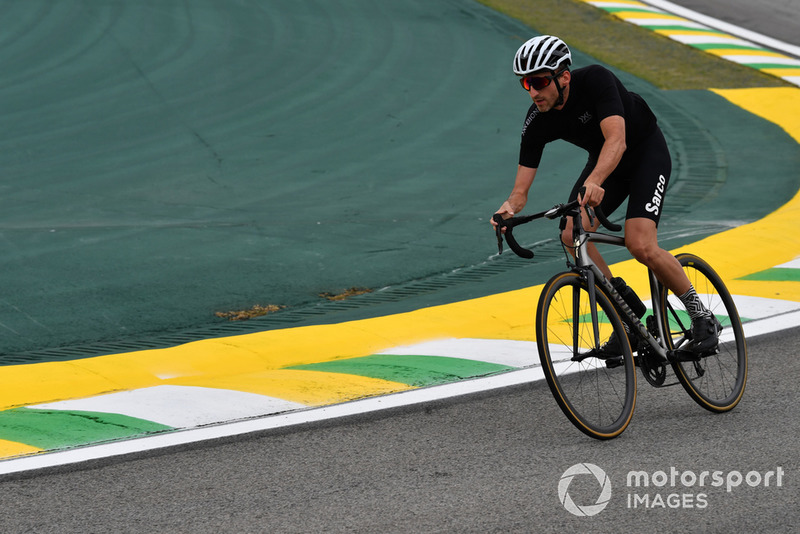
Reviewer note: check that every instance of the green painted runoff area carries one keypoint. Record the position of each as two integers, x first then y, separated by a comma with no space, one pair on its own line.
164,161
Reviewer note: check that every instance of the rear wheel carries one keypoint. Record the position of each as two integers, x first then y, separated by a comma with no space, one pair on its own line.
596,393
717,381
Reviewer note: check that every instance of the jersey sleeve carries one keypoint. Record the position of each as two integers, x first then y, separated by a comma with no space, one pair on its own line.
607,89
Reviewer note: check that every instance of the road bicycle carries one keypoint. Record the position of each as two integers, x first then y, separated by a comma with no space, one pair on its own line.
579,309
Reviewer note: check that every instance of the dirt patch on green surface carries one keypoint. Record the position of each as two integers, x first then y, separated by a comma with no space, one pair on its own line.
255,311
353,291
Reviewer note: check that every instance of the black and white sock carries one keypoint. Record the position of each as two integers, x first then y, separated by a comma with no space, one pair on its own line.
694,306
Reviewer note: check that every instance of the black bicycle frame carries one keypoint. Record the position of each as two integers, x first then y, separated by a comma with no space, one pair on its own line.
585,265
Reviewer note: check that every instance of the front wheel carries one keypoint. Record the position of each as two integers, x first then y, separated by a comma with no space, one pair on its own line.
716,382
597,393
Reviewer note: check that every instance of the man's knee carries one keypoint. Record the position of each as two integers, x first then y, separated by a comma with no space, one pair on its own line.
641,240
566,231
644,251
566,237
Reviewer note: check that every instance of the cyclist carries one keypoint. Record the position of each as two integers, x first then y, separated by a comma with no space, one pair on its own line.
628,158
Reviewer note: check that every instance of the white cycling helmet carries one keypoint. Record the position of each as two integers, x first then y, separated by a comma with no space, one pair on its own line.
544,52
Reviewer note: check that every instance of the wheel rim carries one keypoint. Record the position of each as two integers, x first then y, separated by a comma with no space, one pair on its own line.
598,399
716,381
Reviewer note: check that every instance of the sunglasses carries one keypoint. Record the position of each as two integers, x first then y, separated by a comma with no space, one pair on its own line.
536,82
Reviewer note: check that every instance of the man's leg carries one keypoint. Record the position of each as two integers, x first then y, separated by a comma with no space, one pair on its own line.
642,242
641,238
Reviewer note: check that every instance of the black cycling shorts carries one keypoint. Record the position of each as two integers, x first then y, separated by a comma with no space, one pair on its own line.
642,174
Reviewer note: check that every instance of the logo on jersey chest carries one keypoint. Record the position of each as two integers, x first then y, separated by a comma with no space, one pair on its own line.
586,117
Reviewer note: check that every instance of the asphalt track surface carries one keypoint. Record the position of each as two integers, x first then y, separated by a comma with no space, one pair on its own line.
490,463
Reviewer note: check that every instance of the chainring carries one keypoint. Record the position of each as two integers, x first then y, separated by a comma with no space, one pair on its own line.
653,370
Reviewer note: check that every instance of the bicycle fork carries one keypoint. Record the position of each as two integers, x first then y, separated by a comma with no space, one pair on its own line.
590,280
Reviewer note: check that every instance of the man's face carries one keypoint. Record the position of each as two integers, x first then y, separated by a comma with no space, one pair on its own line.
546,97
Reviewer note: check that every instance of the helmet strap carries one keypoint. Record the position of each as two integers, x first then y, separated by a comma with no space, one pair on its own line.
560,101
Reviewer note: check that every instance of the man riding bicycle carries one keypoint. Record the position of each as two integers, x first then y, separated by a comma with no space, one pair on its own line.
628,158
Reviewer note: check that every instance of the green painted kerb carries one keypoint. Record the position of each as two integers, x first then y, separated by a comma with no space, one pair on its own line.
413,370
682,315
776,274
56,429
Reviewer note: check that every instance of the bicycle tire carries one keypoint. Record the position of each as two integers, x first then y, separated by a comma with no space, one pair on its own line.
599,400
716,382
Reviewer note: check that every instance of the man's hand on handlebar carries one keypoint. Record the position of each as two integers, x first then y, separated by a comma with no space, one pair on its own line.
505,211
592,194
504,220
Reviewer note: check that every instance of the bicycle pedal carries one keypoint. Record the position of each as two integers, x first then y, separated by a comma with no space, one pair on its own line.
616,361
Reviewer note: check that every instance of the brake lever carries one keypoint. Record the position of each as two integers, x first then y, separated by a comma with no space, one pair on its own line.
498,230
509,236
590,212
